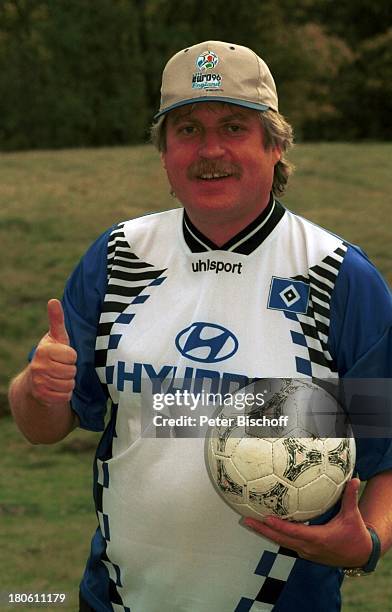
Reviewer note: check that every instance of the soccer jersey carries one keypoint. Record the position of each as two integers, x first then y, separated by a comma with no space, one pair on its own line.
155,304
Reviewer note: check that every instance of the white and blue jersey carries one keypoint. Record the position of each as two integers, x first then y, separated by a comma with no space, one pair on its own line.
288,299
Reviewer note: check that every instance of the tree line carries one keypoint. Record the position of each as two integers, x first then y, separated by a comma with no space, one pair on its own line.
87,72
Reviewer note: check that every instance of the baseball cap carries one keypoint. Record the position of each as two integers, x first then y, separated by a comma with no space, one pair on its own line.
217,71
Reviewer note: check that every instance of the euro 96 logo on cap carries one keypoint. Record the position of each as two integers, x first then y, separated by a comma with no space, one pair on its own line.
207,60
204,79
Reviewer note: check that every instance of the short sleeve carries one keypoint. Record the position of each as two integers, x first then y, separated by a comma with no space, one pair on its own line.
361,319
360,342
82,302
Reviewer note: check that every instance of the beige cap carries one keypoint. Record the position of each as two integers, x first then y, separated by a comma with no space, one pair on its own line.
217,71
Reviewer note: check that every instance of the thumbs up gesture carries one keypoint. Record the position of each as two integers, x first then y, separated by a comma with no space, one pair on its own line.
53,367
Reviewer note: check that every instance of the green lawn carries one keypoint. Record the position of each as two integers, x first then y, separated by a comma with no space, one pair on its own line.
47,515
52,205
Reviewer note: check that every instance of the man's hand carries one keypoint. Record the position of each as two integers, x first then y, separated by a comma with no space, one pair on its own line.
53,368
343,542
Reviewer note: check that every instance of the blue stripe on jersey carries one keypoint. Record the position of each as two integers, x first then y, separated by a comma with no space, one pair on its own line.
266,563
245,605
298,338
304,366
125,318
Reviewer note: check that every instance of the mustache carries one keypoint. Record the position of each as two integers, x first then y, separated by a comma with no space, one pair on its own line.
203,166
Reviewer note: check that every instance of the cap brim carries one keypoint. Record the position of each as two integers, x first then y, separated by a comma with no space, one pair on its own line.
244,103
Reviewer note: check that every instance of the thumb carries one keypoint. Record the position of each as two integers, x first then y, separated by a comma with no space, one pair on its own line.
350,496
57,329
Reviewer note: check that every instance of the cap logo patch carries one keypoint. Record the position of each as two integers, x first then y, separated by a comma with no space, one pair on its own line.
207,60
205,79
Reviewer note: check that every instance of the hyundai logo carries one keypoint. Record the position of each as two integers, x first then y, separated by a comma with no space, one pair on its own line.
206,342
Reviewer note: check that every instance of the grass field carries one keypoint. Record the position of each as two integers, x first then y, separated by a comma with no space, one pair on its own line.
52,205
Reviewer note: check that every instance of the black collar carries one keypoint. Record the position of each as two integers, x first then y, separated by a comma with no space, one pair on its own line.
246,241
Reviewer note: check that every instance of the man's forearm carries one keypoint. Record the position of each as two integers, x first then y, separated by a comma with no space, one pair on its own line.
375,506
39,423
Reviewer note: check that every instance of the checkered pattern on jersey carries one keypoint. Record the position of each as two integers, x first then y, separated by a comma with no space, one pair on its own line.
310,331
274,569
130,283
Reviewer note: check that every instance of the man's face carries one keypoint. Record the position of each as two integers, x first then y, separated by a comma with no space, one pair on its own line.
216,162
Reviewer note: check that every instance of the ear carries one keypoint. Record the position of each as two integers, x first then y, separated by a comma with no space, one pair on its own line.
276,155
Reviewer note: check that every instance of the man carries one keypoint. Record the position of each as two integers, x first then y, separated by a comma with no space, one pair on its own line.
140,309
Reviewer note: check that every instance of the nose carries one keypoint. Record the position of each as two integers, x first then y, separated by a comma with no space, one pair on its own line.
211,146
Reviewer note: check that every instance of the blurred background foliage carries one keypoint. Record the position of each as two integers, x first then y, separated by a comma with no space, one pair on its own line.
77,73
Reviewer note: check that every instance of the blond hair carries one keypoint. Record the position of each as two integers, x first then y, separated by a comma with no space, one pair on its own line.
277,133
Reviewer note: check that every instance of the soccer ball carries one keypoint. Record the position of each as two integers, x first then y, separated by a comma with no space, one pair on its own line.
296,471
